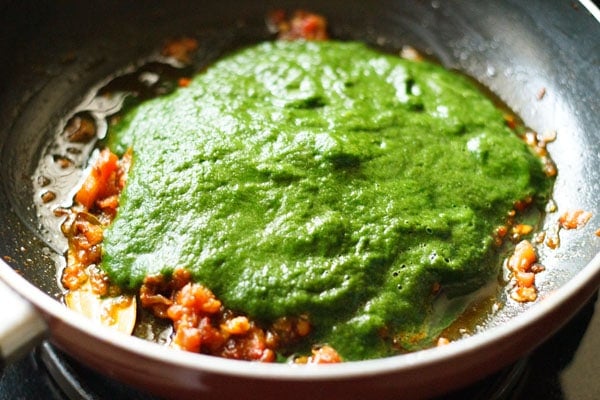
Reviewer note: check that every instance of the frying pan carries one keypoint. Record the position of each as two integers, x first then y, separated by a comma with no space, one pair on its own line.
53,53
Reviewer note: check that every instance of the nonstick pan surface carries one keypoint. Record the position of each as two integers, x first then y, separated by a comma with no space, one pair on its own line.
55,53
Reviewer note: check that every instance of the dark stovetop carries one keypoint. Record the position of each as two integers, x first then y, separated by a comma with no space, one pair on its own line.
565,367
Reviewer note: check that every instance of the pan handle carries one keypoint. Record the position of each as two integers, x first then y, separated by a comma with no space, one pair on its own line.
21,326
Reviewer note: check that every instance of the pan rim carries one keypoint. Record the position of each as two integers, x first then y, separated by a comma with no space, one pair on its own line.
586,281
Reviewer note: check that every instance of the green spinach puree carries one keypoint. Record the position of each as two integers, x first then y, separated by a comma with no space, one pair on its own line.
322,178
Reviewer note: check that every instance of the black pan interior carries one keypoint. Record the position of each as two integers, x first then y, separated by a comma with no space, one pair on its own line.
55,52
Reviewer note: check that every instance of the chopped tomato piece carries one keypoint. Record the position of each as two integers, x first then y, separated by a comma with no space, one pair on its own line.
180,49
523,257
302,25
73,276
236,326
324,355
524,294
100,182
93,233
525,279
184,82
522,229
523,265
109,203
574,219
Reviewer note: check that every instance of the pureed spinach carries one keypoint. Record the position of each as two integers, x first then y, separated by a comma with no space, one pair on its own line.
324,179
